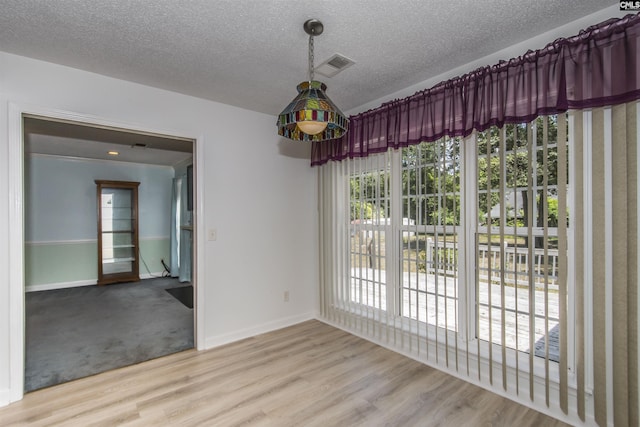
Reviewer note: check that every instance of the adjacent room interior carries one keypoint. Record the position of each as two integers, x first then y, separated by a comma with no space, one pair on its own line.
113,208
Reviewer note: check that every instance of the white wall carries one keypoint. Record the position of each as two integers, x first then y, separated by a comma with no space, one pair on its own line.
258,192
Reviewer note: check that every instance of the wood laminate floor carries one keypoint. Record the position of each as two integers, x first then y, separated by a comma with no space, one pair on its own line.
310,374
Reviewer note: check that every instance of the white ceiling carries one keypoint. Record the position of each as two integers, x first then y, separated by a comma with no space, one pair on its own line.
252,53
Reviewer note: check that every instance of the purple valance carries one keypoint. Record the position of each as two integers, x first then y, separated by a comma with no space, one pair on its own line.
597,67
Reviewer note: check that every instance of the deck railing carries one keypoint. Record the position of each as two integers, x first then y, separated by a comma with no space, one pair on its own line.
441,257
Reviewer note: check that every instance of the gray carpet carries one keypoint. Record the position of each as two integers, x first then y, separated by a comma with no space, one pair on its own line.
77,332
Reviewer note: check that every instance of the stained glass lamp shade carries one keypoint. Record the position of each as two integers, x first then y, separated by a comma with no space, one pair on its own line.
311,116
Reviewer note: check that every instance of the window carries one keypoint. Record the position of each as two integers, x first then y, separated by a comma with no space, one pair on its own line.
369,210
408,222
517,260
429,232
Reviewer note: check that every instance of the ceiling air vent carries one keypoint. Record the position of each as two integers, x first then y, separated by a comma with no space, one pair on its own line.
334,65
139,145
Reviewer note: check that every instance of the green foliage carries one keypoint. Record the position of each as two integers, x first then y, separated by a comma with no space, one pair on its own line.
361,210
552,209
369,195
431,178
431,182
422,262
519,174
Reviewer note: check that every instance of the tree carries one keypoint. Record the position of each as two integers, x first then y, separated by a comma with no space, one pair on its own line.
516,170
369,195
431,179
431,182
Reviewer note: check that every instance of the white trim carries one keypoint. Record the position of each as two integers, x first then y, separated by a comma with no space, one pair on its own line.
199,279
263,328
608,260
60,285
80,283
101,122
16,235
183,163
5,397
16,255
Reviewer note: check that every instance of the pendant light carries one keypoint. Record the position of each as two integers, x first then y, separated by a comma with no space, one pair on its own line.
312,116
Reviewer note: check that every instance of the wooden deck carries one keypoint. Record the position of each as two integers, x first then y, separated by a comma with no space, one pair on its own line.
419,302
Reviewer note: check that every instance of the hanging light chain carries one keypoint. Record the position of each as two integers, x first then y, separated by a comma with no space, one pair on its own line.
311,58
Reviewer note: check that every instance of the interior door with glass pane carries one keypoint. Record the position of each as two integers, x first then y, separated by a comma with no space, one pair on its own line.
117,231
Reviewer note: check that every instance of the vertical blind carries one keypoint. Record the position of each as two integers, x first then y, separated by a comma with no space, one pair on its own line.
606,262
508,257
521,247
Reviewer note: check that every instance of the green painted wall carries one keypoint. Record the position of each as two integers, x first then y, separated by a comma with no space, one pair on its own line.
60,262
51,263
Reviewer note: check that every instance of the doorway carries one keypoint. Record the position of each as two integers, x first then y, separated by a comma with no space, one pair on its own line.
60,220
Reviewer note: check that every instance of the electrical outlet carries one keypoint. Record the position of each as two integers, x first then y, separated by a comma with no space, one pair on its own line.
286,296
212,234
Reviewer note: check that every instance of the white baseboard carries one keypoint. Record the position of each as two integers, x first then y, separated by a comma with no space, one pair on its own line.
151,275
78,283
4,397
230,337
59,285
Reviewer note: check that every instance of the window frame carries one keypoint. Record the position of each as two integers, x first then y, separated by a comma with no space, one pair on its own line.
467,318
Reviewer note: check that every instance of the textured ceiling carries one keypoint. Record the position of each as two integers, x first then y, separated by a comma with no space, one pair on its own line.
252,53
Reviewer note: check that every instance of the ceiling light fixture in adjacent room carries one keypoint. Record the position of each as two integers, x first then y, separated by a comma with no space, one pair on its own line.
311,116
112,153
